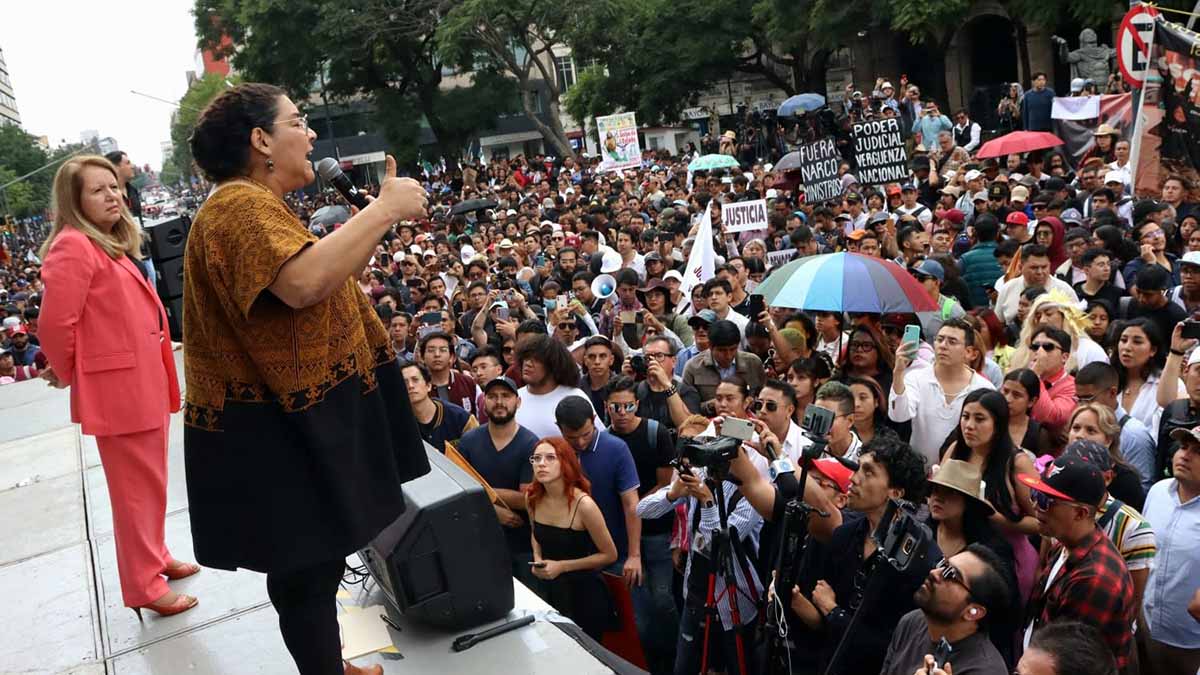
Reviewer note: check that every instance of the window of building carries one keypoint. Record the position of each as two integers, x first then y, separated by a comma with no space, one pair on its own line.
565,65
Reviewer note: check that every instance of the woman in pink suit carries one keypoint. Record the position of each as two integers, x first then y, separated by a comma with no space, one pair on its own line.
103,332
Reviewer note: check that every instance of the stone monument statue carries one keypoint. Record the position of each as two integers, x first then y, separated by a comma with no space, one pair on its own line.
1091,61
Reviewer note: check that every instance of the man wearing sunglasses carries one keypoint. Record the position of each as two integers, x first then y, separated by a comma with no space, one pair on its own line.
1049,352
956,603
650,444
1082,576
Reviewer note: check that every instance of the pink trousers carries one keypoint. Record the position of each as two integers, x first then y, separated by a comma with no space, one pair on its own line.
135,466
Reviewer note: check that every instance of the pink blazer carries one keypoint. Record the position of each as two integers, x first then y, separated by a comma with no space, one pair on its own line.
104,331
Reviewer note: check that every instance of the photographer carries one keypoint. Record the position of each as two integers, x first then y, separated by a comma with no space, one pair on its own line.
954,605
660,395
1177,412
886,471
702,520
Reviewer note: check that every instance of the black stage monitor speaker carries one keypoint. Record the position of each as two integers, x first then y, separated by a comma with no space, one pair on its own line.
174,307
168,238
444,562
170,278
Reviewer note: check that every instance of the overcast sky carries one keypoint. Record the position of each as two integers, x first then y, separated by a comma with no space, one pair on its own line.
74,62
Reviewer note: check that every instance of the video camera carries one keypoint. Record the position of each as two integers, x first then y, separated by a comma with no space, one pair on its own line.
708,453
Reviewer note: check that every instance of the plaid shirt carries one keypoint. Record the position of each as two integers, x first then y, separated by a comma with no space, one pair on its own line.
1094,587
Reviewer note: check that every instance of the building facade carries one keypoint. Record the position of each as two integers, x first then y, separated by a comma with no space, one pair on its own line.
8,100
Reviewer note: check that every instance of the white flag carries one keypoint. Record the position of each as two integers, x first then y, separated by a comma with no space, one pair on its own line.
701,264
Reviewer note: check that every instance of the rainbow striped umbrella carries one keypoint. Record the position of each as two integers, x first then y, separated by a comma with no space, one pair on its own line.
845,282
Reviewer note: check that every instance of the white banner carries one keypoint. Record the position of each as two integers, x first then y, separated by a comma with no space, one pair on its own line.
744,216
780,258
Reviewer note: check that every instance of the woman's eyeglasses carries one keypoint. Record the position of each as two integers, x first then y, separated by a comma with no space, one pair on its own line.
543,459
302,119
862,346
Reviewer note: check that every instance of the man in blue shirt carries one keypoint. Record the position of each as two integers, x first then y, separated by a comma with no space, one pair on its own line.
1173,509
930,124
608,464
1036,104
500,452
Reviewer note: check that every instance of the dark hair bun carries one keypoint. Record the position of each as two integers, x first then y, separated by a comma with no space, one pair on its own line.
220,142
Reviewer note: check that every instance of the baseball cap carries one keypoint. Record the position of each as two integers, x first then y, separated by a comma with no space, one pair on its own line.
953,215
843,216
856,235
1090,452
952,190
1114,177
1176,434
501,381
981,196
674,274
929,268
1072,216
878,217
832,469
1017,218
1070,478
973,174
1145,208
1020,194
1190,258
704,316
892,189
908,187
998,191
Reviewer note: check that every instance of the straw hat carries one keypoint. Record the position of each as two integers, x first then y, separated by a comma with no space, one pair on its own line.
962,477
730,135
1106,130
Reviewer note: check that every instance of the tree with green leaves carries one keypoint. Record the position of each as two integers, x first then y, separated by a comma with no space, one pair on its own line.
20,154
201,92
382,50
518,40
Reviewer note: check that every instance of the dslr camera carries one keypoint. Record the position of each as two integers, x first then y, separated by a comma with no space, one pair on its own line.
715,452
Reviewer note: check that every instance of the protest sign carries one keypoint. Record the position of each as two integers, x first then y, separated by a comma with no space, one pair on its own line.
819,170
744,216
1166,138
879,151
619,147
780,258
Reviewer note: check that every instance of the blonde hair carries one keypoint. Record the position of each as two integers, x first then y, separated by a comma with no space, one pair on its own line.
1106,421
1072,325
125,237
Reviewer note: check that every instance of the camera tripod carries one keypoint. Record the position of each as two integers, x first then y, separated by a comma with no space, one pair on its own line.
793,541
723,553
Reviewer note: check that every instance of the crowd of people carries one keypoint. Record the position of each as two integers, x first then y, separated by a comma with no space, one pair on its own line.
1045,420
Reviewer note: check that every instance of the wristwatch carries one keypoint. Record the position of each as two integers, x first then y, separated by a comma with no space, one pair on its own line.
781,465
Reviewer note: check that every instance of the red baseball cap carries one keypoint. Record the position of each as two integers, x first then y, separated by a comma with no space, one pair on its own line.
832,469
1017,218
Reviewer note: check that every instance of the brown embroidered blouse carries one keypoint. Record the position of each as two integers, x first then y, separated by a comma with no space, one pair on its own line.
243,343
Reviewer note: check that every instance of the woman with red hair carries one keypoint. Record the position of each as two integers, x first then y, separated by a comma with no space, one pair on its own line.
571,544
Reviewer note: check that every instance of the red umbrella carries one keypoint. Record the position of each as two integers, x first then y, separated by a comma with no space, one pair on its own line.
1018,142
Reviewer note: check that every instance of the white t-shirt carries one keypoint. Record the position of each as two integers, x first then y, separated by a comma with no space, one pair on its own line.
537,410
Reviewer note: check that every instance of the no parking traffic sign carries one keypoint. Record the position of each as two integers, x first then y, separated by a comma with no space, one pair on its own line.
1133,43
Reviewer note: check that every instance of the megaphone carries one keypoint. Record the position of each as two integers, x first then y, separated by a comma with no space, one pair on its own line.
604,286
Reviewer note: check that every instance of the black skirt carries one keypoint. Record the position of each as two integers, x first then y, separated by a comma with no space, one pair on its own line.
274,491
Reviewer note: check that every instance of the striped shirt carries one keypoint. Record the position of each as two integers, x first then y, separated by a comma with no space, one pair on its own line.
742,518
1131,533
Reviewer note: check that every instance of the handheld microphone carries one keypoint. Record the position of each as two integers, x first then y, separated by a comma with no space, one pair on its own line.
329,170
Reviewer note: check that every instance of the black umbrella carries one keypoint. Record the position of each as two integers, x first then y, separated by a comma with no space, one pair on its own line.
473,205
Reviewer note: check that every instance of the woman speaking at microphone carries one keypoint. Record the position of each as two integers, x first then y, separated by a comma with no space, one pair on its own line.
102,330
298,429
